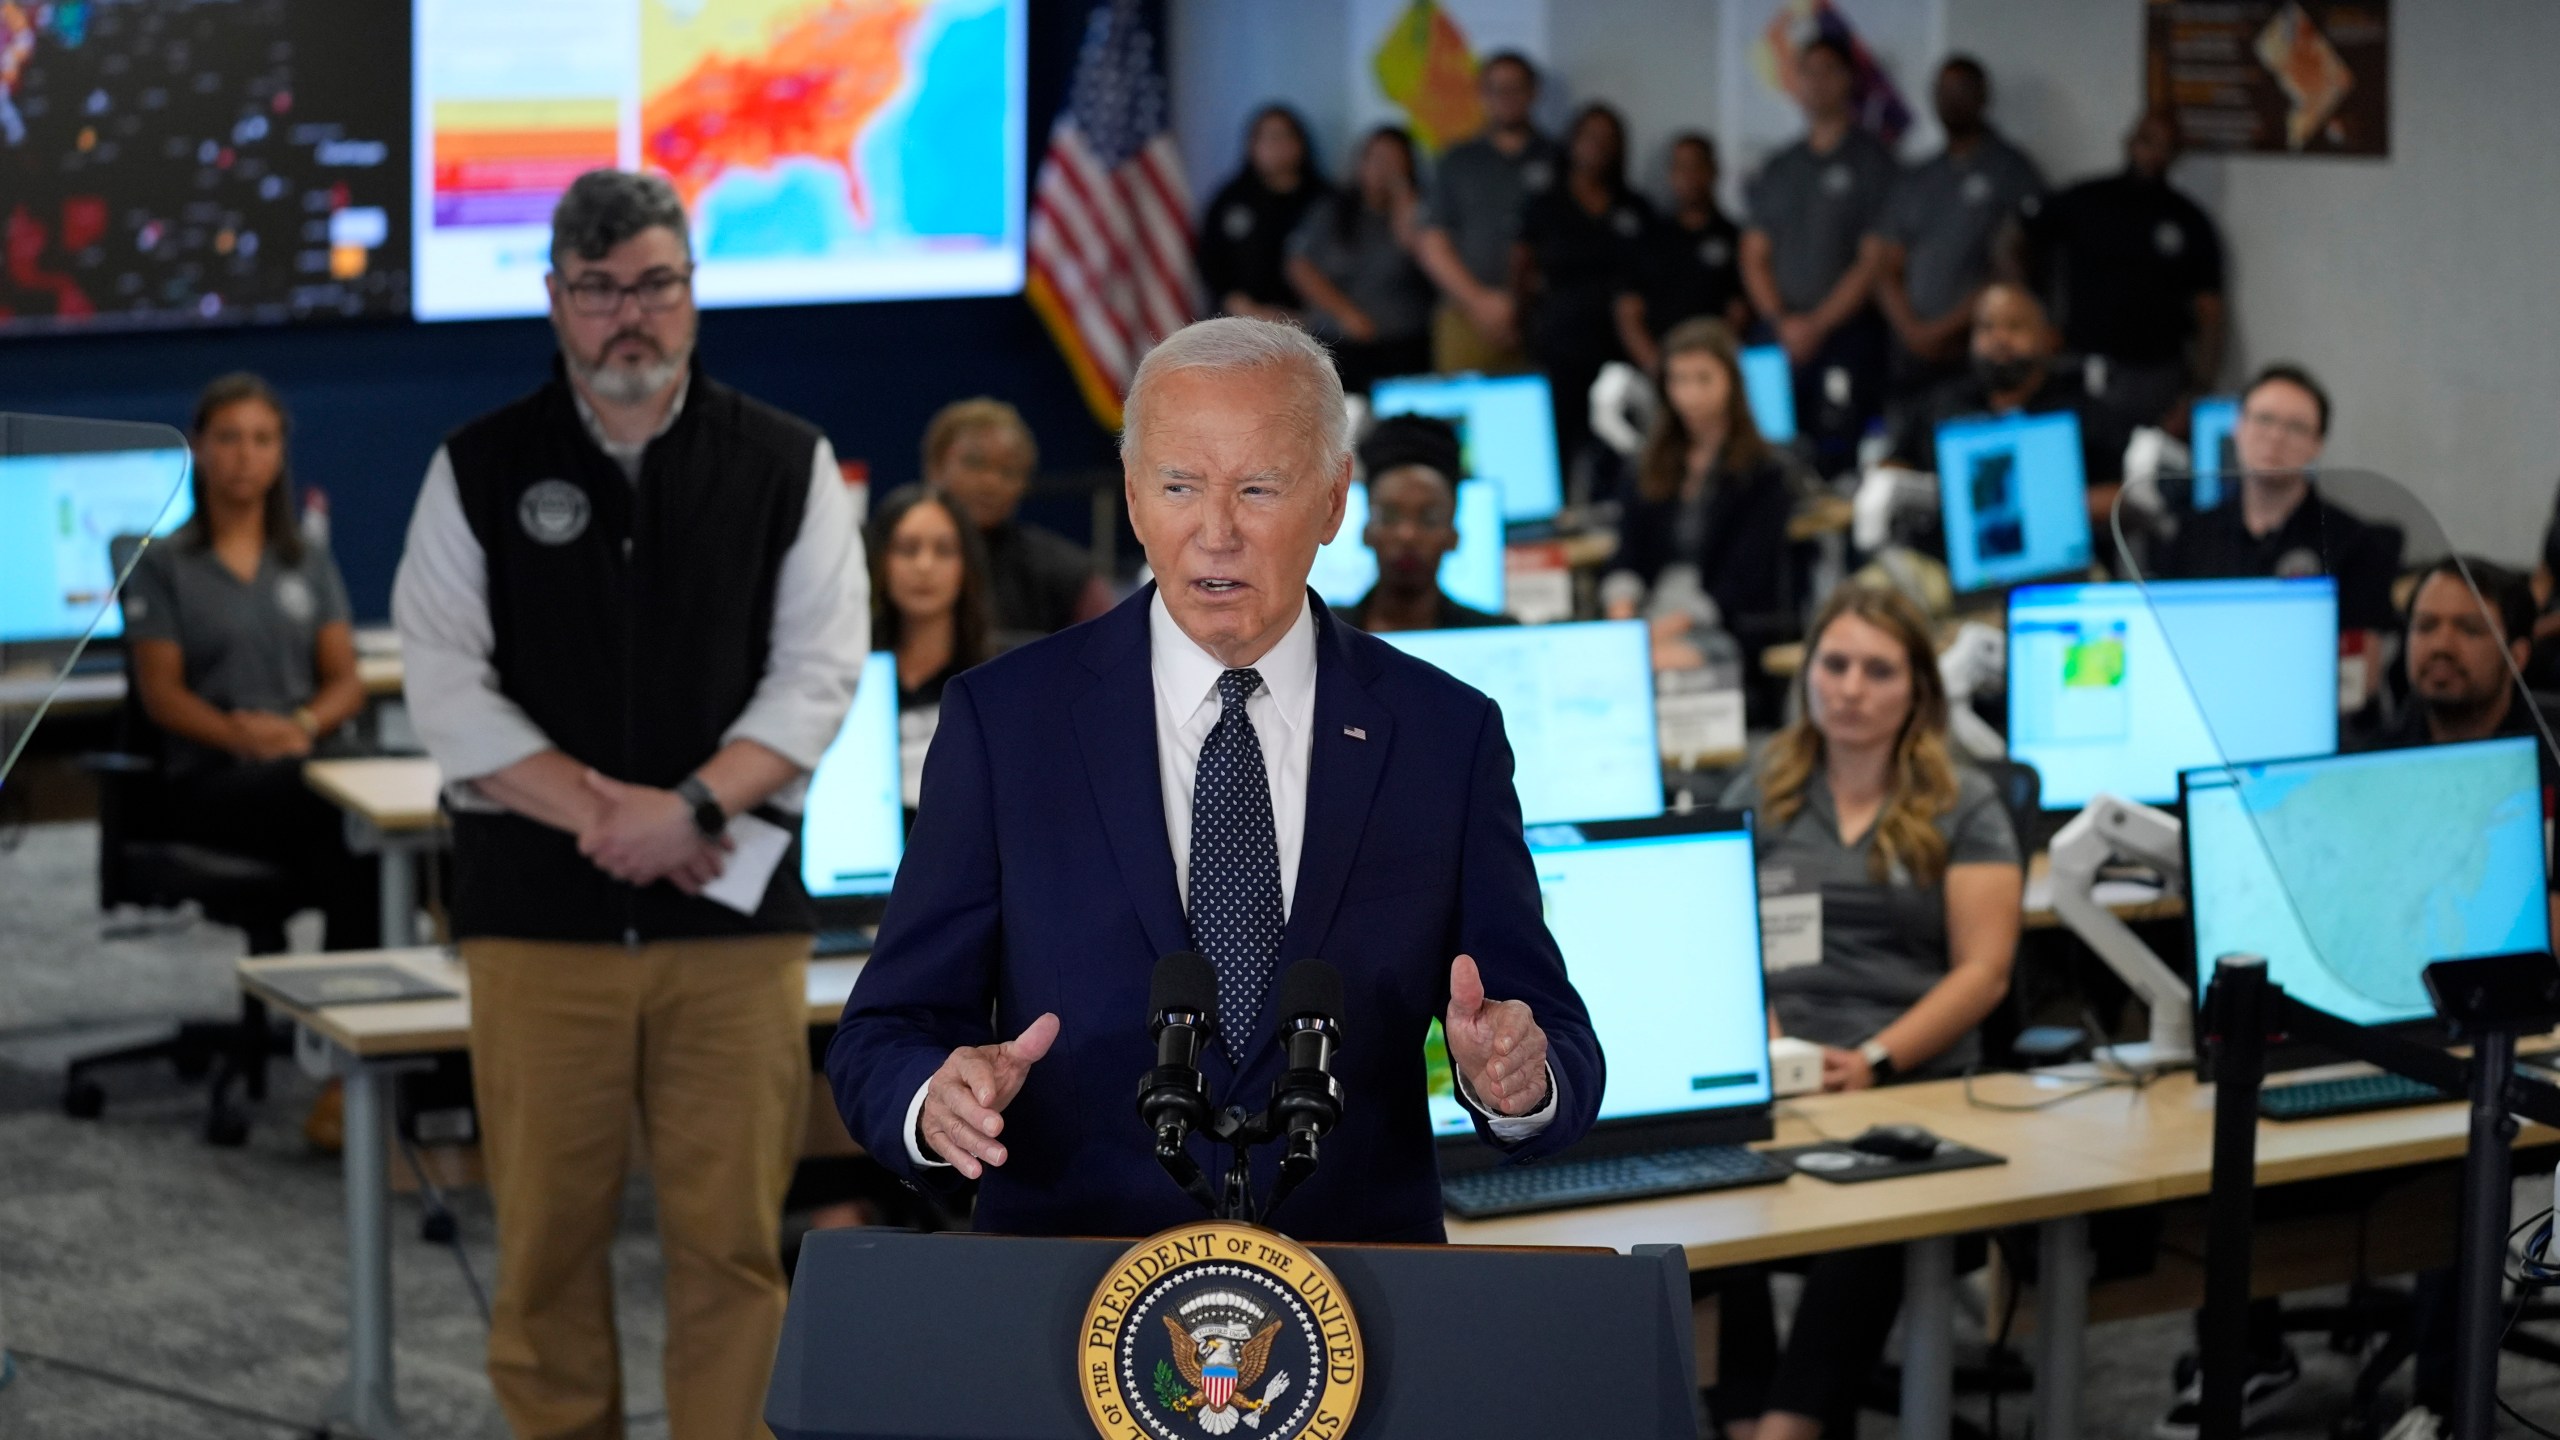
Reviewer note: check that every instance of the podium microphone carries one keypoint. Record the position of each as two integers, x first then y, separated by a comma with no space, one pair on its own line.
1173,1098
1306,1101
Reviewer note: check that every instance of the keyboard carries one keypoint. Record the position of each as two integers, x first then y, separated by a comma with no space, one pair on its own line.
1521,1189
2345,1095
843,942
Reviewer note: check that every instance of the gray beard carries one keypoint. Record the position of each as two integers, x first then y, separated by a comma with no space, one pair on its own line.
625,384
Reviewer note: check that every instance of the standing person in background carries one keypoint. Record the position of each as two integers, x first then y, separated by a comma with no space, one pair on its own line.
1943,229
1353,260
1805,260
243,655
1581,246
1413,464
980,452
929,607
2133,270
1692,263
1244,234
1472,217
633,613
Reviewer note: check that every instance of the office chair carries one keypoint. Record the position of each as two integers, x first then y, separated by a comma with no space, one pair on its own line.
141,863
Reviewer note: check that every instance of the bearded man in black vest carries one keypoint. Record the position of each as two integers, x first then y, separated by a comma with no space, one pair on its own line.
632,609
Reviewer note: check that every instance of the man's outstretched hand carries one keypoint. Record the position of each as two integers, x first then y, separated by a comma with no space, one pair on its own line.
1496,1045
964,1102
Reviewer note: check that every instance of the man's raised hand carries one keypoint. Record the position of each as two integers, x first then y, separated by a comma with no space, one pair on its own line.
1497,1045
964,1102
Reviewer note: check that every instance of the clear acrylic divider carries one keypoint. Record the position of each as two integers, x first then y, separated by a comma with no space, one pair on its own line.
2418,832
79,502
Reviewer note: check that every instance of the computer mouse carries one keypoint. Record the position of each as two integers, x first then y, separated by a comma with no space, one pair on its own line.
1896,1142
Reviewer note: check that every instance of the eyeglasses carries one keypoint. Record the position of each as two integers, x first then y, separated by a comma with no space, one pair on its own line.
597,294
2282,425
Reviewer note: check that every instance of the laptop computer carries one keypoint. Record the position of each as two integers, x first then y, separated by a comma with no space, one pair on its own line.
853,829
1659,922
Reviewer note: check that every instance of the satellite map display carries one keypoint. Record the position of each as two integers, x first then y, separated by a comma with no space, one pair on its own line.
2351,874
826,149
200,162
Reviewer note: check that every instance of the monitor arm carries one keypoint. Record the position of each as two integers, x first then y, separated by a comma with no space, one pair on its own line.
1975,661
2120,830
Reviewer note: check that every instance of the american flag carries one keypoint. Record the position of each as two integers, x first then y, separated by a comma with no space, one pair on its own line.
1110,260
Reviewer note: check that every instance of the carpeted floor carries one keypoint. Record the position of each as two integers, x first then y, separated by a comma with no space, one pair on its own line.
154,1286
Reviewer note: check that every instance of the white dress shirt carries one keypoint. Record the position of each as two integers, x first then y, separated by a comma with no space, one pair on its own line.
440,602
1283,711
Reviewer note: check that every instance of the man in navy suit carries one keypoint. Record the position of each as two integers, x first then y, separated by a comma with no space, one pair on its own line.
1219,765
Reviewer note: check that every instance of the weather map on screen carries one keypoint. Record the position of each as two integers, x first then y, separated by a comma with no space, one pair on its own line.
825,149
172,163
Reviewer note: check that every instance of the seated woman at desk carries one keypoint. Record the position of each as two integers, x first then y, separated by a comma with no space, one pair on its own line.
929,607
1890,883
1412,464
1708,519
242,653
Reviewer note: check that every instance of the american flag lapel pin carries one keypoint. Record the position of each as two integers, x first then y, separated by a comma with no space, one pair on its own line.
1355,732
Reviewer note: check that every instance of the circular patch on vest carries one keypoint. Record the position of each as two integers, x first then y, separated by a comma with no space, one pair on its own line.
1713,252
293,597
1237,222
2168,239
554,512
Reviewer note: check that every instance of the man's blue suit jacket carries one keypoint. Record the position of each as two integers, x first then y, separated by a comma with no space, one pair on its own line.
1038,878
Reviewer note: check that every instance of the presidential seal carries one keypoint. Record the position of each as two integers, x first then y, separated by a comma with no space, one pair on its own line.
1219,1328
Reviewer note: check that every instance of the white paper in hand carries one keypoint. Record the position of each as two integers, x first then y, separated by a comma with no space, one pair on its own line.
748,869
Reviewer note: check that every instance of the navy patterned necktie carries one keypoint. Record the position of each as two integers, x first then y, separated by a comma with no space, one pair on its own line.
1235,862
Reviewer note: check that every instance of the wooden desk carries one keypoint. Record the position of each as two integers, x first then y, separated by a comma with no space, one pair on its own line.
2131,903
1819,516
392,811
23,687
366,1046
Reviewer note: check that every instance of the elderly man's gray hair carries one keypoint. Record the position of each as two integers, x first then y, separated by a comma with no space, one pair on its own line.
1234,343
603,208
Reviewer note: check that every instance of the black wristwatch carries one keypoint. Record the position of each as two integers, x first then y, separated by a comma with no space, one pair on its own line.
708,817
1879,1060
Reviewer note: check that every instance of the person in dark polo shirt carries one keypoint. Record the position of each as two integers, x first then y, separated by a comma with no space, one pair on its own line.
1413,463
2275,521
633,608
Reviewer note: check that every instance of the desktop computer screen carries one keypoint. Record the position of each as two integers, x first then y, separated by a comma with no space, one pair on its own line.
2014,499
1506,432
852,829
1661,936
2119,687
2210,427
2352,873
1577,706
1472,574
58,515
1769,385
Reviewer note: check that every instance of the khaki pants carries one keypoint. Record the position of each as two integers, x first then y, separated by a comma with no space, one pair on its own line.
706,1041
1458,346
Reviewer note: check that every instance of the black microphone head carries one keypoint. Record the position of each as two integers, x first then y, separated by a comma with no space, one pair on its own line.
1311,987
1183,981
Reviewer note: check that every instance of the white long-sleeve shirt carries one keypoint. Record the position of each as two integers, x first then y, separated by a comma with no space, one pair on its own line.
440,602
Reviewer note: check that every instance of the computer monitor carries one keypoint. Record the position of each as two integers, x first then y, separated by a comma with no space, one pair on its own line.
2119,687
1577,706
1769,385
1659,924
2014,499
1506,432
852,829
2210,426
1472,574
2352,873
58,515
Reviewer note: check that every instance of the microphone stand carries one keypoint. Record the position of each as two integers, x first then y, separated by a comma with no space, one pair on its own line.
2489,1001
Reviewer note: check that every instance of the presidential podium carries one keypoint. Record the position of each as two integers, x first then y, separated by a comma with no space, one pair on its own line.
936,1337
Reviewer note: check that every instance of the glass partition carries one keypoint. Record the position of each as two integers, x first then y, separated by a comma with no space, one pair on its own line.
2420,835
79,502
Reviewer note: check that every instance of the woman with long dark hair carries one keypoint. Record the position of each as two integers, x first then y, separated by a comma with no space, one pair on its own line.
1581,247
930,606
1353,260
1244,234
243,654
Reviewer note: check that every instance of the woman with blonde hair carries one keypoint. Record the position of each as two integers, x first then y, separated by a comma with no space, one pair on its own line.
1898,875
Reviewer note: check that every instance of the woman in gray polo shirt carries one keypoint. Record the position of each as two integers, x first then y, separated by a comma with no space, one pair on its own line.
243,655
1890,885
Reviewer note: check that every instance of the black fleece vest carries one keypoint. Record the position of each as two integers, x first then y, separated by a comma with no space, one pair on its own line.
632,624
